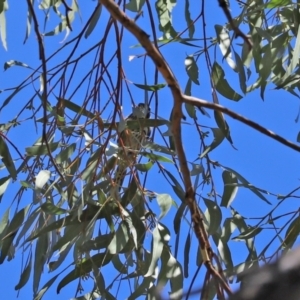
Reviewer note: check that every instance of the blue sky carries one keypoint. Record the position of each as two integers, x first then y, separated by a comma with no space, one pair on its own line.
261,160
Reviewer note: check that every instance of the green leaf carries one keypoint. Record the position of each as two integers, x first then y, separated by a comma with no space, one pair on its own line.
41,149
156,157
230,188
76,108
119,240
45,288
196,170
25,275
51,209
4,182
84,267
292,233
278,3
221,84
189,21
12,63
222,124
248,234
178,217
165,202
65,154
152,88
94,20
156,249
241,71
7,160
144,167
218,139
213,216
192,69
3,8
187,247
135,5
40,257
224,44
248,185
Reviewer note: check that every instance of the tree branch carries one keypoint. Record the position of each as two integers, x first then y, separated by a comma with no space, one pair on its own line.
166,72
202,103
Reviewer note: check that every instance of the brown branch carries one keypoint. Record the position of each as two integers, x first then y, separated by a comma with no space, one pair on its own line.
202,103
168,75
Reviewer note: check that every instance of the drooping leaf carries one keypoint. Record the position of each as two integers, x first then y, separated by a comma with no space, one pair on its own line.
218,138
3,9
24,275
94,20
225,44
165,202
4,182
187,246
222,124
7,159
292,233
157,245
189,21
119,240
84,267
248,185
230,188
213,216
192,69
222,85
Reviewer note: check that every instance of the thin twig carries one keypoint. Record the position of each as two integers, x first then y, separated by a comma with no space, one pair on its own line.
202,103
224,5
42,57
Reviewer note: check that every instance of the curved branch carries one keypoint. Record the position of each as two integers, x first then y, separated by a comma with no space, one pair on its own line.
202,103
166,72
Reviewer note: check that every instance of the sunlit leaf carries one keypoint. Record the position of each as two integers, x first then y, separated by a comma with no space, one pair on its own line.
225,44
152,88
213,215
192,69
119,240
135,5
165,202
12,63
277,3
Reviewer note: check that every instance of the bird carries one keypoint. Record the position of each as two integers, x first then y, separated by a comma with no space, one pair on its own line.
130,142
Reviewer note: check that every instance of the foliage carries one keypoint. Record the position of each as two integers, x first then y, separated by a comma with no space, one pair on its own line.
74,101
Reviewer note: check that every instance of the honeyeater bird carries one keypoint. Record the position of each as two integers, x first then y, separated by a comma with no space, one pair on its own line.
130,142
